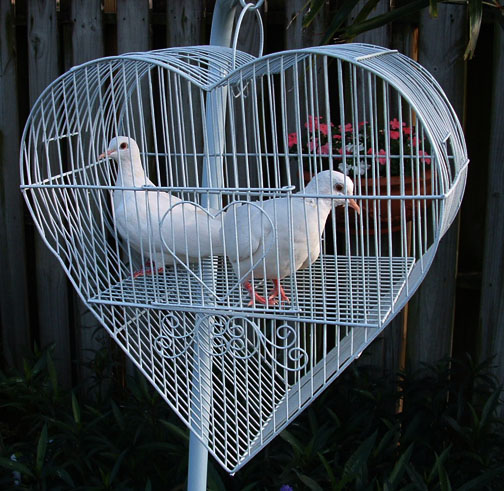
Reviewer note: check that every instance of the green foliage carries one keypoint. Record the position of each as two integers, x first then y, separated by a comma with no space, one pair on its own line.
435,429
340,29
65,440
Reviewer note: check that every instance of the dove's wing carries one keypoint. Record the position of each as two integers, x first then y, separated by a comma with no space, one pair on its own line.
190,231
246,230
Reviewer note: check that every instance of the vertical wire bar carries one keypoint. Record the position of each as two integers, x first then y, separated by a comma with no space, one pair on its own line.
212,177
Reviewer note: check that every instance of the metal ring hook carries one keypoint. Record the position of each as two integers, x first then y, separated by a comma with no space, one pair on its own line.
254,7
246,7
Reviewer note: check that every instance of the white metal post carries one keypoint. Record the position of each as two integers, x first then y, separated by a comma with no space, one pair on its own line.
221,34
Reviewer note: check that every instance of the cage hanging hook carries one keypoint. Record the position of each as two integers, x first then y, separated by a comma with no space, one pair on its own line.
258,5
245,8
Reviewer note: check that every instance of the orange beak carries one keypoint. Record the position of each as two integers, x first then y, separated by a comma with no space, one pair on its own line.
352,204
105,154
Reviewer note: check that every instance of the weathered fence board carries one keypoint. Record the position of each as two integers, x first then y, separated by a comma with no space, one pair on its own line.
430,316
184,23
295,36
87,44
86,34
385,351
52,286
14,316
132,25
491,326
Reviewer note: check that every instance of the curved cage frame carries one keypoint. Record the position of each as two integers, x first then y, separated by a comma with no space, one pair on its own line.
265,362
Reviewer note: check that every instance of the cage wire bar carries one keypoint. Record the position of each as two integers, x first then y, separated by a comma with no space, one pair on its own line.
234,370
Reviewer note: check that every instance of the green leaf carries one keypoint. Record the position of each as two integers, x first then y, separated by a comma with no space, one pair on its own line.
385,442
293,442
444,480
416,478
481,481
400,467
433,11
53,376
410,8
65,476
475,17
215,482
41,449
365,11
490,407
251,487
16,466
27,370
314,9
117,465
339,19
117,414
439,462
356,465
308,481
330,473
76,409
335,418
176,430
164,447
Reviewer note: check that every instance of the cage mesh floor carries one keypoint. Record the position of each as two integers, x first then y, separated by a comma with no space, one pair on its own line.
344,290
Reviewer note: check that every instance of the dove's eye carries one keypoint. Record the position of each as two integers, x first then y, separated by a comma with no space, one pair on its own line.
338,187
123,146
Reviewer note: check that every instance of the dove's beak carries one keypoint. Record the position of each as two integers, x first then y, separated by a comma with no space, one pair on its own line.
105,154
352,204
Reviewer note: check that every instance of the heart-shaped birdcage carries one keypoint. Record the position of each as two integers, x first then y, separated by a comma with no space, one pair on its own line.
235,371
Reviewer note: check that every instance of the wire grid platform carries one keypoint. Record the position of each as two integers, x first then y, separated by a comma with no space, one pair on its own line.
365,295
215,127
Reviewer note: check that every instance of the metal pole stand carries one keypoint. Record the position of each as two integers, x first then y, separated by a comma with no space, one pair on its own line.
221,33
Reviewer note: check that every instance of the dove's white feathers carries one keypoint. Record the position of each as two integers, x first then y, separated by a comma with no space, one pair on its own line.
151,220
249,229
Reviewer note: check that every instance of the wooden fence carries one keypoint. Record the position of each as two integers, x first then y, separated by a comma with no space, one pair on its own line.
460,305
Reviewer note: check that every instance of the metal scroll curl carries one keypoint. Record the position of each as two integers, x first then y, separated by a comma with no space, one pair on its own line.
176,335
236,336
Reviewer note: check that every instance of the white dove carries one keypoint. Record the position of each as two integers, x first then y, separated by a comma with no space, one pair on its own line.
258,241
152,222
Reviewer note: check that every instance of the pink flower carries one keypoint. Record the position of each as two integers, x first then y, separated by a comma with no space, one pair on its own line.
337,136
293,140
407,130
312,144
382,161
395,125
395,135
313,123
324,149
362,123
323,127
414,141
348,128
422,153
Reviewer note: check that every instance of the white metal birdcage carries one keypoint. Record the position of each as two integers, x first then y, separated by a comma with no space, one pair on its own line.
219,127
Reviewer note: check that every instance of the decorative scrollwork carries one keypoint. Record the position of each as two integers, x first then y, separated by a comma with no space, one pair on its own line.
176,336
242,338
235,336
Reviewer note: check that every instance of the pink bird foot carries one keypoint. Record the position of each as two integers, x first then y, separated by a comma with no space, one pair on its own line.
278,290
256,298
147,270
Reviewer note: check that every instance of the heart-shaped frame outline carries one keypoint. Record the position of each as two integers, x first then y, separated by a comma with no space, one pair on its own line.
214,216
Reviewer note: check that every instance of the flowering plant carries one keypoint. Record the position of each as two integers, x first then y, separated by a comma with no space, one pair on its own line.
357,148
